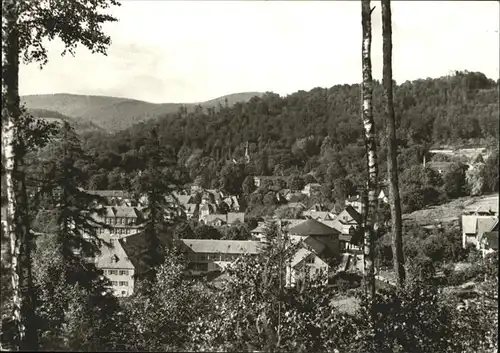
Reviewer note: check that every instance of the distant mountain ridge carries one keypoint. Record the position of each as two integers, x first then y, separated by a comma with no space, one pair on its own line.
112,113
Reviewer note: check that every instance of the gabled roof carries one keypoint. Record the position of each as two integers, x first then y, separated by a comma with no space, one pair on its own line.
352,213
315,244
125,211
292,222
211,218
222,246
485,224
321,215
113,256
312,227
317,207
183,199
300,256
191,207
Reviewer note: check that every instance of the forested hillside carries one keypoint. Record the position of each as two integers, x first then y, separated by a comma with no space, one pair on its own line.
316,132
113,114
81,126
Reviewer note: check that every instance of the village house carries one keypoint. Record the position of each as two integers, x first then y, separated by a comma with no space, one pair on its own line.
319,215
219,220
320,249
356,202
350,216
383,195
311,189
488,242
206,209
192,210
320,238
232,203
475,225
259,179
204,255
115,265
259,232
305,265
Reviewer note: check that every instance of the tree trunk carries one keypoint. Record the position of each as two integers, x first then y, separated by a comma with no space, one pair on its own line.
23,311
371,147
392,161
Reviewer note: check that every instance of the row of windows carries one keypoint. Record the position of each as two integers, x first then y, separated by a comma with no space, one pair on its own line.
116,272
119,220
119,283
213,257
116,231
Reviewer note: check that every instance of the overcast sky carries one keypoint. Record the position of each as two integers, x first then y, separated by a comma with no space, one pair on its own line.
191,51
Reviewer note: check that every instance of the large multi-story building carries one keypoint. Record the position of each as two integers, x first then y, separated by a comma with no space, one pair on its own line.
207,255
115,265
123,220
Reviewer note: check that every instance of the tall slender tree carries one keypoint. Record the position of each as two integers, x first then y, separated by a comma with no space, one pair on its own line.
25,25
75,209
392,156
156,183
371,147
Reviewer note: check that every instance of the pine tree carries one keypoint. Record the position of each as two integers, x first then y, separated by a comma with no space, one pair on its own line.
75,209
156,183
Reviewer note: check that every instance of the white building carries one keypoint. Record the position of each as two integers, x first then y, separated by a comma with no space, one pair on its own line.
117,267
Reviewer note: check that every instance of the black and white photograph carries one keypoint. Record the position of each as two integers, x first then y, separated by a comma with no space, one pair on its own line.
250,176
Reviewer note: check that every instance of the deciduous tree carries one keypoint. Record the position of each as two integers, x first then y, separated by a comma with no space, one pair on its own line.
25,25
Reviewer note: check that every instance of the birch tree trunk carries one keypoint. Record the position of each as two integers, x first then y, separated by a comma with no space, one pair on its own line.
392,161
23,311
371,149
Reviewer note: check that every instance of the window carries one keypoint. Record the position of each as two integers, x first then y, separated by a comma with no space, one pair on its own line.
114,283
123,283
113,272
124,272
123,292
203,257
310,260
107,220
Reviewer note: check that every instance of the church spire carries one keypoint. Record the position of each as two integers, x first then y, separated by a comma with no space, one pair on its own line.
247,155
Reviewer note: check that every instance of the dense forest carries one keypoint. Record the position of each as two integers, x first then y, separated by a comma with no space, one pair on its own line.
317,132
